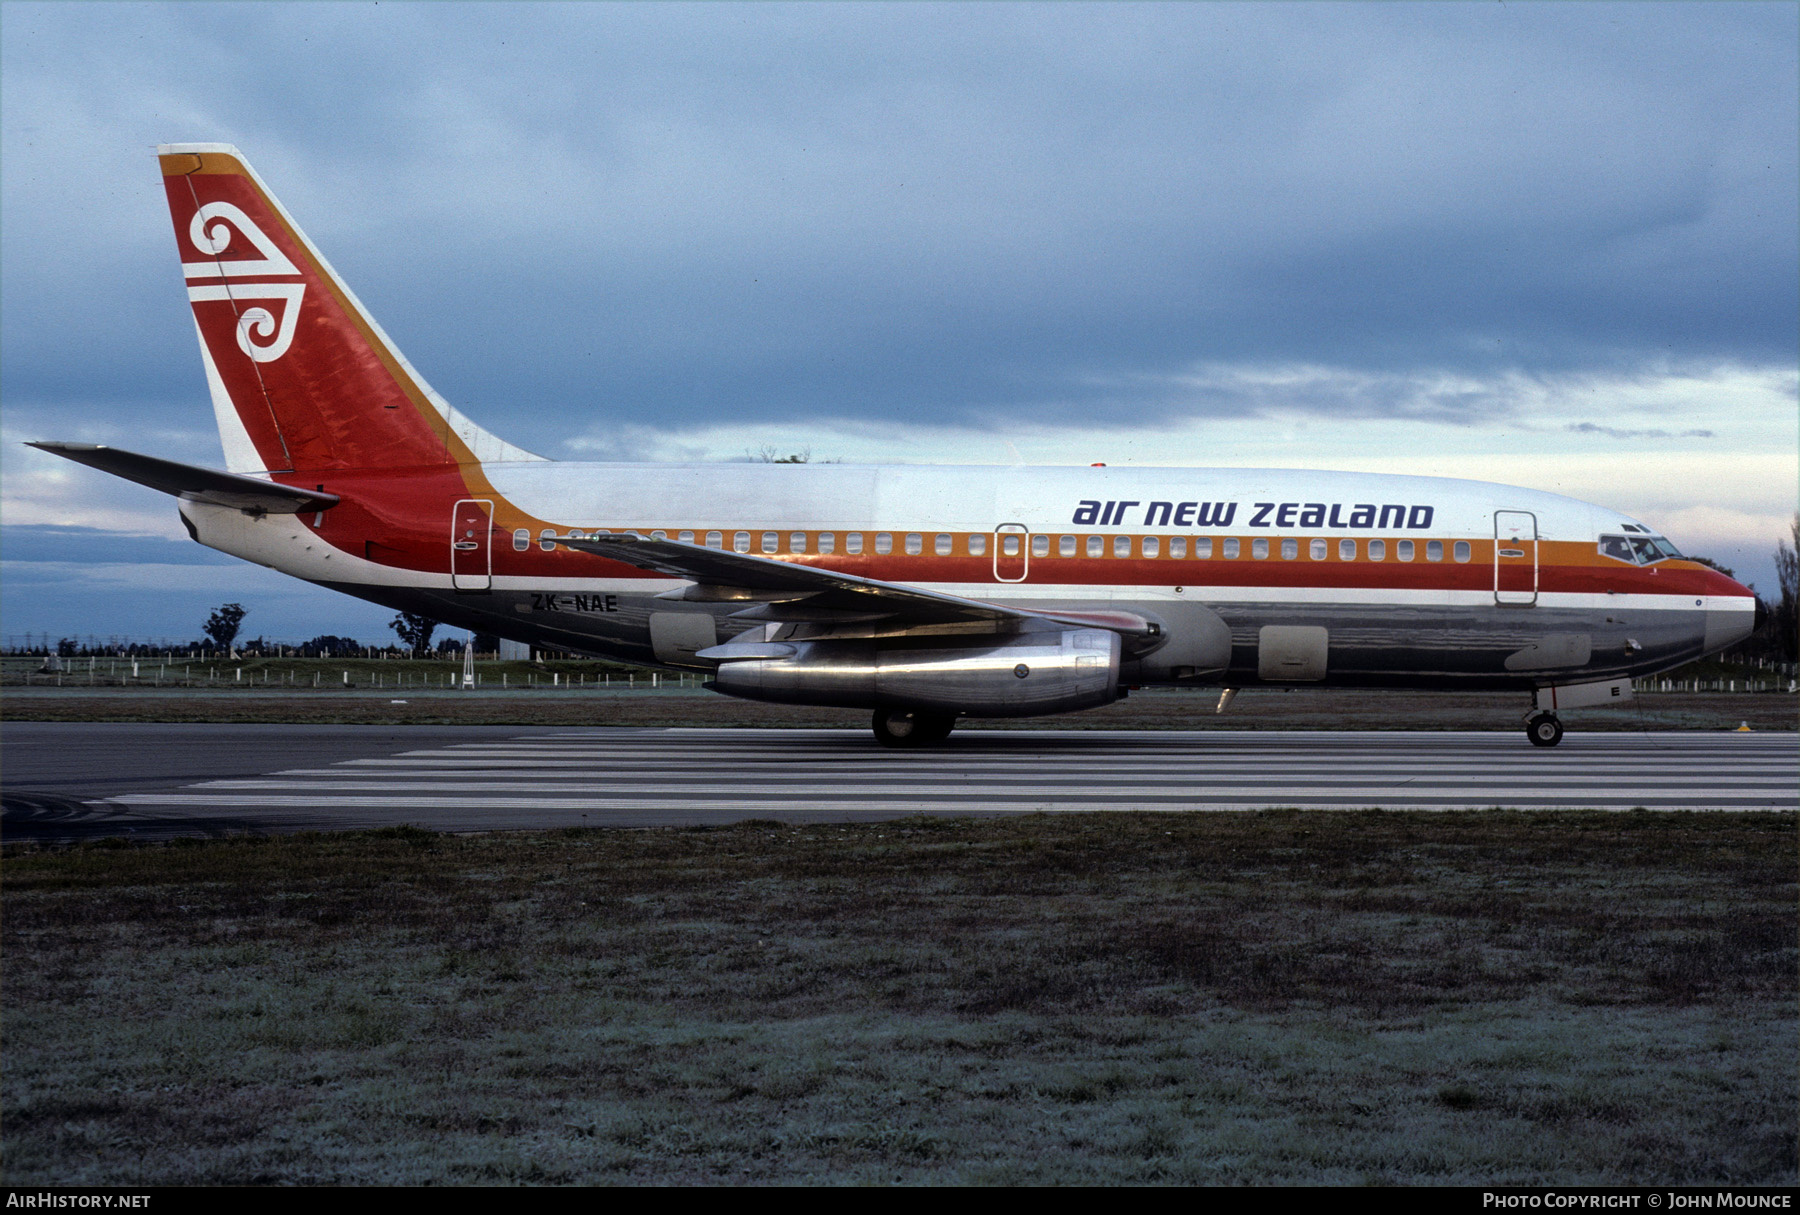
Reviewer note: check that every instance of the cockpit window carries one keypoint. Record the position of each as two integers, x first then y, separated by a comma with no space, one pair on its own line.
1638,550
1617,547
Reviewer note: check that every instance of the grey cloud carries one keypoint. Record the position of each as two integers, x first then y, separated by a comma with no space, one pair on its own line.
1614,432
573,215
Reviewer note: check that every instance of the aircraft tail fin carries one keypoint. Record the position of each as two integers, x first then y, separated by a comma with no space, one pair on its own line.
302,377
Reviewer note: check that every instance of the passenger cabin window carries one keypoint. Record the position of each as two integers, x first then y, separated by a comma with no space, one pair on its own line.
915,544
771,543
1065,547
978,544
1434,550
1461,550
1096,546
1121,546
1378,550
827,542
741,541
1152,546
521,539
1290,548
1231,549
944,543
1346,550
796,542
1178,548
884,543
659,535
853,543
1040,546
1259,548
686,537
1009,544
715,540
1316,550
547,539
1404,550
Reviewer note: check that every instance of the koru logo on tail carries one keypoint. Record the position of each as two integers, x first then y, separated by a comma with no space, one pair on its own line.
212,231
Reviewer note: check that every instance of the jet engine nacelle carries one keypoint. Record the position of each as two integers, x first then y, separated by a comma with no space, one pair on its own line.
1019,676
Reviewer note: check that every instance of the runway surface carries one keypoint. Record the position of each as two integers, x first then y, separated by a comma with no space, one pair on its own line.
72,781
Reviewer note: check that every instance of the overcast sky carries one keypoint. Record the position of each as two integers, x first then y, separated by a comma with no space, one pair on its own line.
1549,245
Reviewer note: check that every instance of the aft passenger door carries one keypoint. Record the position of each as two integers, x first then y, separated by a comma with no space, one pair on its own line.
1012,560
1515,558
471,545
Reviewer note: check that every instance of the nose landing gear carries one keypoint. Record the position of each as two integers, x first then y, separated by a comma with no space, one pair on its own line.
1543,729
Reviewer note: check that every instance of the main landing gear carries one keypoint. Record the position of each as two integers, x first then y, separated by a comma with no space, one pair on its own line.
1543,729
912,727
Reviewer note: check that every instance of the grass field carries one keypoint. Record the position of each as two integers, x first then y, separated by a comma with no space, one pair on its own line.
1230,998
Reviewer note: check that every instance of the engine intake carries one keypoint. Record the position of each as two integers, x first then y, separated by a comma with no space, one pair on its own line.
1020,676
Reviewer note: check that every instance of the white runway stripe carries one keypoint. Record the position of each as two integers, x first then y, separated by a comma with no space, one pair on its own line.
1113,786
541,779
428,770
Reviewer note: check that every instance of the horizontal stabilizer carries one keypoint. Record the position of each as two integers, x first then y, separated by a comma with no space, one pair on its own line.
192,483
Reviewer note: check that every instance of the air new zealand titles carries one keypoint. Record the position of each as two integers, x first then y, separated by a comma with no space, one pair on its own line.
1308,516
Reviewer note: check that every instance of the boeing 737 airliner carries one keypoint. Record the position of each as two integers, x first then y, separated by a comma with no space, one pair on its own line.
922,594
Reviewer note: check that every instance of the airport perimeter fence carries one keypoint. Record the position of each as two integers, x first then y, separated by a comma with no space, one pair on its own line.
1658,684
178,671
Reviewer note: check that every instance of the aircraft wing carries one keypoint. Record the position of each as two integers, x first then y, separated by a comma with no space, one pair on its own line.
191,482
791,592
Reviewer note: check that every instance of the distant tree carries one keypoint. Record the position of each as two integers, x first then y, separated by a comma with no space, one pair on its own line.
487,643
768,453
1785,619
223,625
67,647
415,630
1711,564
330,645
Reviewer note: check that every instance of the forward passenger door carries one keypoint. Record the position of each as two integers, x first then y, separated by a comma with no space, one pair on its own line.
1515,558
